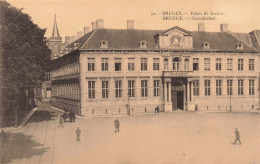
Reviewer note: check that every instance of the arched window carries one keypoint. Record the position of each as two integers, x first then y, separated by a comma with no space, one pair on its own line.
175,64
186,64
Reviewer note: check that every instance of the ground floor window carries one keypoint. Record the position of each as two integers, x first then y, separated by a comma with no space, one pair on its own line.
196,87
131,88
118,88
251,87
240,87
207,87
229,87
104,89
218,87
144,86
156,88
91,89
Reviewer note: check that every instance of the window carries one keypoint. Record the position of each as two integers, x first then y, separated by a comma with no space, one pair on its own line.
104,44
175,64
156,87
251,87
131,88
104,89
131,64
251,64
230,64
205,45
207,87
48,90
91,64
91,89
156,64
230,87
143,64
142,44
218,64
207,64
48,77
104,64
195,64
240,64
240,87
218,87
144,88
186,64
118,88
239,46
196,87
118,64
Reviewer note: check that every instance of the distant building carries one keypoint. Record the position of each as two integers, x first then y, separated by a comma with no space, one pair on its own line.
55,42
128,71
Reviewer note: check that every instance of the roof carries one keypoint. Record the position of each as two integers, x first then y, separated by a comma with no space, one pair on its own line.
128,39
55,31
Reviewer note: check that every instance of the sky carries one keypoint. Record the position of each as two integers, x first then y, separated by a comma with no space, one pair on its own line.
73,15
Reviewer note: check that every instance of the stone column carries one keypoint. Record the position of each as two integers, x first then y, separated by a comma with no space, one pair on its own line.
170,91
191,93
165,92
188,92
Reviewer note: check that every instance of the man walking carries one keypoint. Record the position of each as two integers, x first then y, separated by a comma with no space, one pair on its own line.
117,124
3,138
78,131
237,136
157,109
60,122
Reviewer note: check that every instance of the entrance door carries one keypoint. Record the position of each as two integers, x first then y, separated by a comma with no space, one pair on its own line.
174,100
180,100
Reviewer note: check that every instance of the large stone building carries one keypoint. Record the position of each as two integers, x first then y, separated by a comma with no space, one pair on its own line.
127,71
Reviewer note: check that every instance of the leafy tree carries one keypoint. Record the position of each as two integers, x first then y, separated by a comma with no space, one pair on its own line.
25,55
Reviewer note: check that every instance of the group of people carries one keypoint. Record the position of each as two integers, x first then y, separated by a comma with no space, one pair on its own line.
71,116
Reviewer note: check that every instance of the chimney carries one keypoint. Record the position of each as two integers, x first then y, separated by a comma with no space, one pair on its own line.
201,27
94,25
79,34
130,24
86,30
223,27
100,23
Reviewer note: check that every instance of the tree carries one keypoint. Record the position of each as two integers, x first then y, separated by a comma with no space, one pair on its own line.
25,55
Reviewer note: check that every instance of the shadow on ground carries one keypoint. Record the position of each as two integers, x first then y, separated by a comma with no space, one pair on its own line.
21,146
42,115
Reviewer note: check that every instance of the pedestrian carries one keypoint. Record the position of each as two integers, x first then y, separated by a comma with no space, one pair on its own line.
60,121
78,131
157,109
237,136
117,124
73,116
65,108
3,138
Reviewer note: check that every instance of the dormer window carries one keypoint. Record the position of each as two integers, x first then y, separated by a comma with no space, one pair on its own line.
142,44
205,45
76,45
239,46
104,44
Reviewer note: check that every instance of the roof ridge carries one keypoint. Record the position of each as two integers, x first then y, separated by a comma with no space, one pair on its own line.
88,39
242,40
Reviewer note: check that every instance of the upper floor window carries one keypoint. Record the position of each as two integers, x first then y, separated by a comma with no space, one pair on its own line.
207,64
117,64
229,64
186,64
143,64
175,64
131,64
218,64
195,64
104,44
104,64
156,64
251,64
240,64
91,64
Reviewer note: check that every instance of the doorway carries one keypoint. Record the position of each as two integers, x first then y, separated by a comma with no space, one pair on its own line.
177,100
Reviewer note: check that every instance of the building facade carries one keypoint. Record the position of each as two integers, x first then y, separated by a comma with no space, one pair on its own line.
117,71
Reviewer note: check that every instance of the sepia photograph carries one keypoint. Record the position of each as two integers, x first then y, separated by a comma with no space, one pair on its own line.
129,82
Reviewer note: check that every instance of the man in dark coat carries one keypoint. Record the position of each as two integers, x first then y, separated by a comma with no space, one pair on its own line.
117,124
3,138
73,116
157,109
78,131
237,136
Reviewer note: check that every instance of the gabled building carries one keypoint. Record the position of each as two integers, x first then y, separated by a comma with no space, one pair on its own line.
128,71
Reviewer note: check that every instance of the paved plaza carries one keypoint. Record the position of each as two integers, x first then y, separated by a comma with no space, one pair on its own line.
178,137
